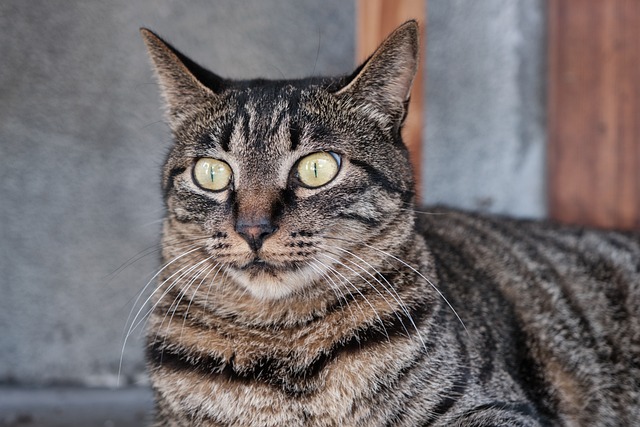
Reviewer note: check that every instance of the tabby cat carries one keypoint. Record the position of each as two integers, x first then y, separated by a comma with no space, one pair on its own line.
301,287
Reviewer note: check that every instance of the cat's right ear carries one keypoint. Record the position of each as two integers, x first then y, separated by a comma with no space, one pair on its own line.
183,82
383,82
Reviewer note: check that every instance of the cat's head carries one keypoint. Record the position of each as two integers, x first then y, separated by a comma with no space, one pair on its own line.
276,181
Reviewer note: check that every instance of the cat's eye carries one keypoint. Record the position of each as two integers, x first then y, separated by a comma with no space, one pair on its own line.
212,174
318,169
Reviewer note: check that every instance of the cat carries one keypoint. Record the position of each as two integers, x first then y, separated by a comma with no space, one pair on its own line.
302,287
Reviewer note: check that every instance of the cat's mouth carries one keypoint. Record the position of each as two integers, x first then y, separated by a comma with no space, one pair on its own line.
260,266
272,279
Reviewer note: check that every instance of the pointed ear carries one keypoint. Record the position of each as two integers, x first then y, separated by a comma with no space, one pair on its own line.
183,82
384,80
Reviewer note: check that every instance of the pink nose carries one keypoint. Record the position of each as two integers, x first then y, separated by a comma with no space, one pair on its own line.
255,231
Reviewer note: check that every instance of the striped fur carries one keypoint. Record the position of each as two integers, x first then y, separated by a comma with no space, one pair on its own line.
356,309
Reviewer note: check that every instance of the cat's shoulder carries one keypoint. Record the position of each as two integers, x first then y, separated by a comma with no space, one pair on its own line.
440,222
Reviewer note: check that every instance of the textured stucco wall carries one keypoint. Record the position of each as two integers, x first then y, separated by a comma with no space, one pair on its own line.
484,128
82,138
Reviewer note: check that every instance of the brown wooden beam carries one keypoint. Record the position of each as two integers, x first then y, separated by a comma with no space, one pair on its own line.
376,20
594,112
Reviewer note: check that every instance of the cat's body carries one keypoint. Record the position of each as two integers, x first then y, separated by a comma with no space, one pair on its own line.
319,297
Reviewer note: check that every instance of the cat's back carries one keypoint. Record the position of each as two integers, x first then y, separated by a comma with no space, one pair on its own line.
566,302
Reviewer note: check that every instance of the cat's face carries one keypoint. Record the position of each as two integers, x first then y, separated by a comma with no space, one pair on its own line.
275,181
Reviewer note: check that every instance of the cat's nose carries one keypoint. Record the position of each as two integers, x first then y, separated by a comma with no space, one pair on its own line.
255,231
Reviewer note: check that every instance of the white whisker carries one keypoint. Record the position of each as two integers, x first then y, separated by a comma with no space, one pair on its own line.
124,344
195,292
337,292
434,287
372,286
393,292
210,285
343,279
180,295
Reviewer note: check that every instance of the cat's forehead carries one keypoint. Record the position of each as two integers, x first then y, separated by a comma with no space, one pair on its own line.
258,119
266,118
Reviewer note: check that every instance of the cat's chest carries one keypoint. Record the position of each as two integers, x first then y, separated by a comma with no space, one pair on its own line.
337,393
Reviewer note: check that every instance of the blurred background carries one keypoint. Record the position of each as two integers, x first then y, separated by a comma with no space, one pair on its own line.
83,137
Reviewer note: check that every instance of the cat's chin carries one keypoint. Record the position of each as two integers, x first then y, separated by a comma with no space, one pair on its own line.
270,282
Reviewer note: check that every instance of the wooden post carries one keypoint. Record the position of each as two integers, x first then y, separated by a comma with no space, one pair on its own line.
376,20
594,112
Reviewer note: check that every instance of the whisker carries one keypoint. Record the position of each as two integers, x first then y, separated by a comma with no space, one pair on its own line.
148,251
337,291
337,285
135,303
153,222
344,278
137,257
393,292
422,212
435,288
181,294
177,243
191,281
195,292
131,327
210,285
429,282
180,243
173,284
371,285
412,208
184,270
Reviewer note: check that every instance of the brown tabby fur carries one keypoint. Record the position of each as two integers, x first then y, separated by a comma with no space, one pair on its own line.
355,309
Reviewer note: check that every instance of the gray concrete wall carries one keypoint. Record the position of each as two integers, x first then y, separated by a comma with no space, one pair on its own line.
484,128
82,139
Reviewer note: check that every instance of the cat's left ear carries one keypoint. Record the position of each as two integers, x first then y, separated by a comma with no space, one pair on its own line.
183,82
384,81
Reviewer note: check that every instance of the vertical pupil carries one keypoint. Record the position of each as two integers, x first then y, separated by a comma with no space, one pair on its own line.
212,173
315,169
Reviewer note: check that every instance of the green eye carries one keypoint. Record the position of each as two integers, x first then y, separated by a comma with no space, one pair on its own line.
318,169
212,174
